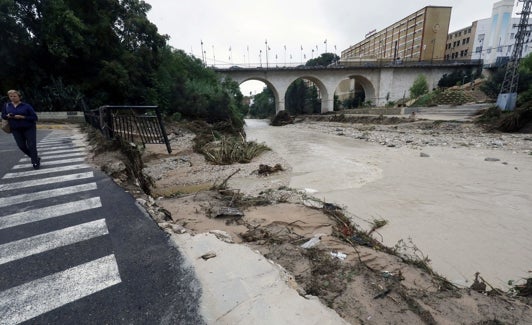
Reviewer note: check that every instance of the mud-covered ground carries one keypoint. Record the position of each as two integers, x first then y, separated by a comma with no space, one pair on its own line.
347,268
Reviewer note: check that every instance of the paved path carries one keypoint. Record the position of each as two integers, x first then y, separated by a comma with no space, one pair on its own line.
75,248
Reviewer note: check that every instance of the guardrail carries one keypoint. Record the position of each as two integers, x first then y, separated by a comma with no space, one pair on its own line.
130,123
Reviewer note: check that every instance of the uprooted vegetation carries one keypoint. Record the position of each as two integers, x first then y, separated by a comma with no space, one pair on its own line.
348,268
519,120
223,146
354,118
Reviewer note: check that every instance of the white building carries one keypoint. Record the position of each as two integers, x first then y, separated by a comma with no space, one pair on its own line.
495,36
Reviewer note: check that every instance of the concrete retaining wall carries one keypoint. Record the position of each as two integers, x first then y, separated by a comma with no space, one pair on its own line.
75,117
375,111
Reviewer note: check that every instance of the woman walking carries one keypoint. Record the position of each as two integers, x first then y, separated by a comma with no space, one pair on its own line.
23,122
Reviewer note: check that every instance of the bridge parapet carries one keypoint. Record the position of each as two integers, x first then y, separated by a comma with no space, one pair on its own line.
382,81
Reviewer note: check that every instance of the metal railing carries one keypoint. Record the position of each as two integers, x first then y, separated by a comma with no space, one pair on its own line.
130,123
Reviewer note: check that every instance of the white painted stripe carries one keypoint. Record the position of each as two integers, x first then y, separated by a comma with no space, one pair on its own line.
52,162
55,141
15,199
68,155
65,147
15,250
52,145
44,181
54,152
49,212
46,171
37,297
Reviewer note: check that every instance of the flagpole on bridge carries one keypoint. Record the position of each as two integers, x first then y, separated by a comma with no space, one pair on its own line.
266,43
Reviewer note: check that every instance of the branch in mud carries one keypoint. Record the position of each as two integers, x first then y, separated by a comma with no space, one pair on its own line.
223,185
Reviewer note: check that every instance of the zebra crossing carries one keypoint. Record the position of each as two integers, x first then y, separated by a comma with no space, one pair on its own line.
34,207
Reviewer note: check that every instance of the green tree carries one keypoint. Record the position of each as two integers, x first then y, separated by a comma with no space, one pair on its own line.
108,50
525,80
323,60
458,77
420,87
296,97
59,52
312,102
492,86
263,105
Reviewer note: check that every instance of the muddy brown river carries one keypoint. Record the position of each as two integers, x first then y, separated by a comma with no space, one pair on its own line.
463,212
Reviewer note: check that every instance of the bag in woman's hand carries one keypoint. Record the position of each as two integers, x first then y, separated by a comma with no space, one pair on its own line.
5,123
5,126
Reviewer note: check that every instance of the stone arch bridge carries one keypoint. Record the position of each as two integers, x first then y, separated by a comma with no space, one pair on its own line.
381,82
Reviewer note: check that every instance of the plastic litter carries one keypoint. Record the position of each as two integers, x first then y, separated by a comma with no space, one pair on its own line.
313,241
339,255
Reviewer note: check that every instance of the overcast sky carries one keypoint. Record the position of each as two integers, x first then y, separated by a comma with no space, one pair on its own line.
234,32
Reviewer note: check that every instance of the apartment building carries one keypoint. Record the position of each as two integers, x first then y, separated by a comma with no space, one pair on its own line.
460,43
421,36
495,36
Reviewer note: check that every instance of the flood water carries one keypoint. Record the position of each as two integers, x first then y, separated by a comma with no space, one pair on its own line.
463,213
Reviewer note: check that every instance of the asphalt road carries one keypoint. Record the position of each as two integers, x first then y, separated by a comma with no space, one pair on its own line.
76,249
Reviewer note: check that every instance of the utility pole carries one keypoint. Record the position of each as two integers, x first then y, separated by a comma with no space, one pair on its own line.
508,96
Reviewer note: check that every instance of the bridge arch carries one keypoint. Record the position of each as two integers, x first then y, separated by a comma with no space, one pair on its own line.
270,85
349,86
322,89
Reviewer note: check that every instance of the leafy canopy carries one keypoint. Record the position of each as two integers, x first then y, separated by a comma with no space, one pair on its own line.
61,53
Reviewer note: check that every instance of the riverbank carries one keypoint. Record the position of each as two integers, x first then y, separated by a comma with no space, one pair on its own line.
449,186
368,285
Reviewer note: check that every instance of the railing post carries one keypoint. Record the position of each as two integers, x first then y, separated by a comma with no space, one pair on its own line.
160,120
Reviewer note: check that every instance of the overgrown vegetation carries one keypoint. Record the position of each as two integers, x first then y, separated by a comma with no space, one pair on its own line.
131,157
72,52
494,119
420,87
459,77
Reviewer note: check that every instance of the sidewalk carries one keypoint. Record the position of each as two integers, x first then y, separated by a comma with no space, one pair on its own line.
241,286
